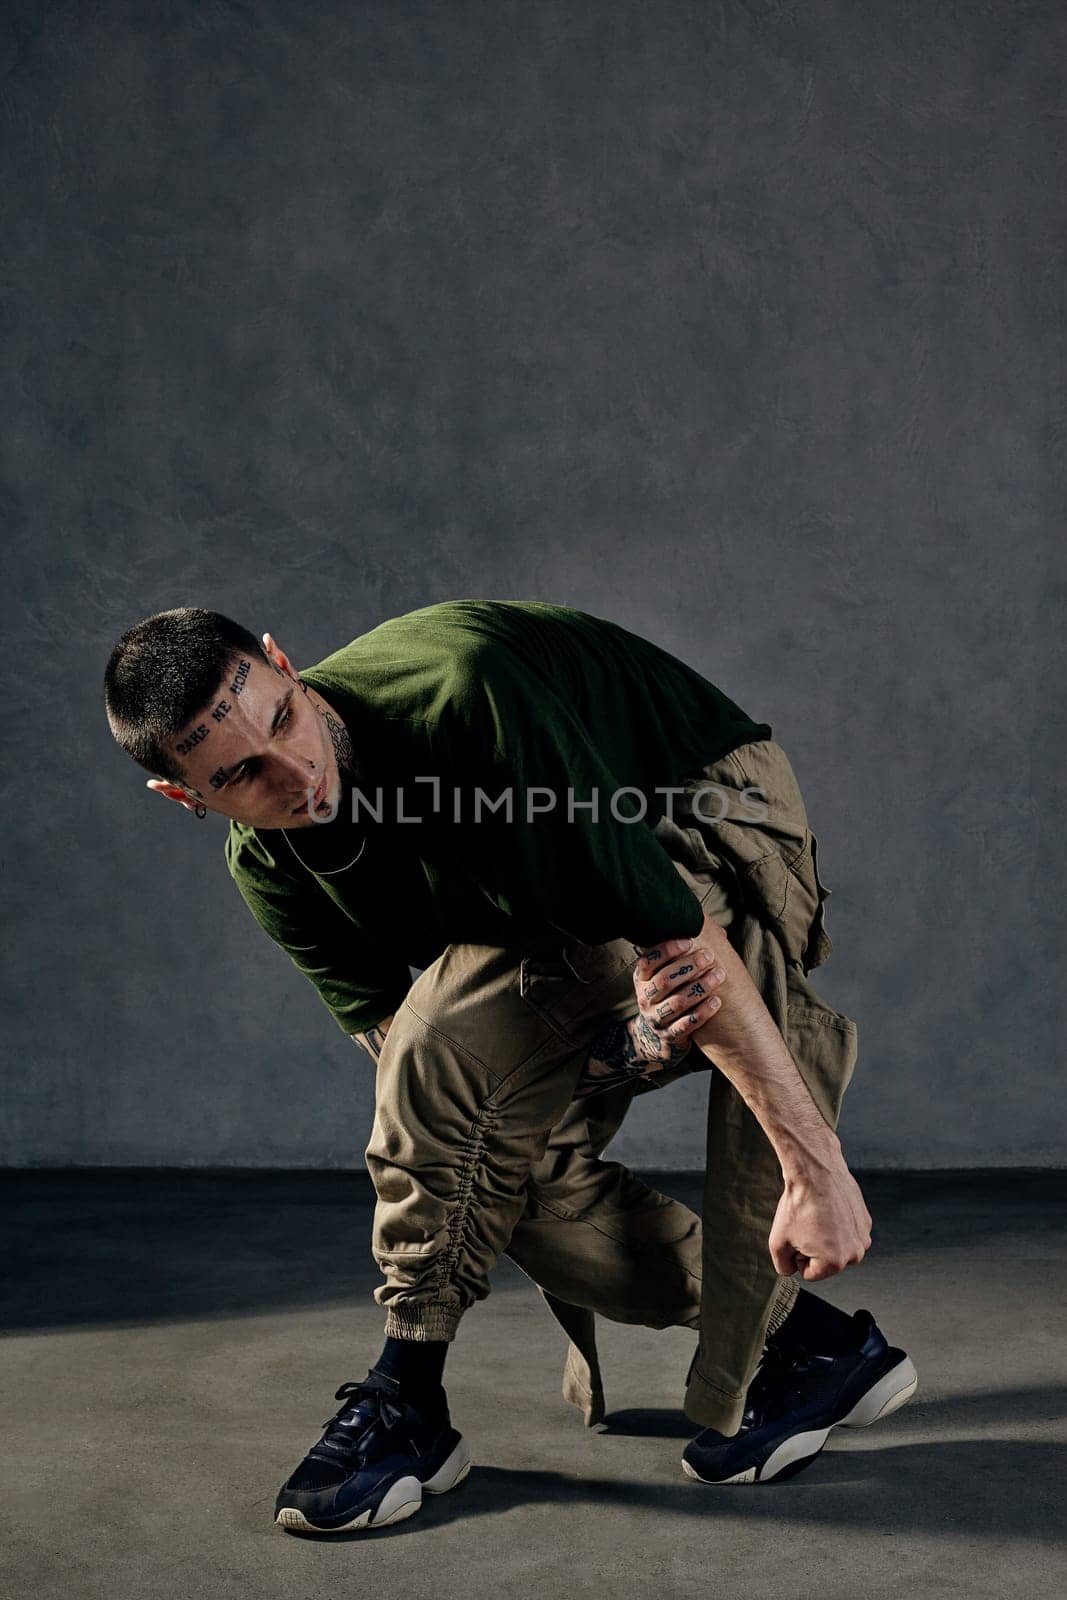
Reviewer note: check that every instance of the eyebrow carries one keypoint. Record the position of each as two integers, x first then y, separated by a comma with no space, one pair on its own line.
278,710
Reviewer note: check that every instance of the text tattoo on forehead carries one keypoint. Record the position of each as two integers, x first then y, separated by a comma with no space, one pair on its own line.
221,709
198,734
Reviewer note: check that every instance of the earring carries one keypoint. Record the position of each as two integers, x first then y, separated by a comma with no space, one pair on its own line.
201,811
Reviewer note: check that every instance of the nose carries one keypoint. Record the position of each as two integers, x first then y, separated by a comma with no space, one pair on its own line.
299,770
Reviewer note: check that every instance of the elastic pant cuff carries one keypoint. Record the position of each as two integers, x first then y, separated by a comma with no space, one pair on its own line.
419,1320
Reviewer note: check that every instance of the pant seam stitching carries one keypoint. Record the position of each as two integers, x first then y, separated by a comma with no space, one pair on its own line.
733,1394
498,1081
455,1043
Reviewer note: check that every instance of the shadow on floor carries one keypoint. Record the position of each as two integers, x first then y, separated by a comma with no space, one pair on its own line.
114,1246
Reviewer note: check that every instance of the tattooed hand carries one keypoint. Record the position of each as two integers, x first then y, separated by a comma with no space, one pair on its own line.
674,985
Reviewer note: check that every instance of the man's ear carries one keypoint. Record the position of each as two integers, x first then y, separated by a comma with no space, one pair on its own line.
277,655
172,791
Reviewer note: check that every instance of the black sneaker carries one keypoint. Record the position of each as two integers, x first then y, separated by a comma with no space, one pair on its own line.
373,1462
795,1398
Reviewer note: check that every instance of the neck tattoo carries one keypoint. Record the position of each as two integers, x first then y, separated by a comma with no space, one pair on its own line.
347,768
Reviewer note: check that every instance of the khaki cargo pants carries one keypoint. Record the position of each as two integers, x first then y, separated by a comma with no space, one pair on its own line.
479,1149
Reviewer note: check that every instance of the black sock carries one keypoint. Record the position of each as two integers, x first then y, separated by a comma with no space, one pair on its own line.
418,1365
817,1325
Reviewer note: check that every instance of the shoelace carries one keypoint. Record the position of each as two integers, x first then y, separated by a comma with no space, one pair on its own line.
340,1433
777,1365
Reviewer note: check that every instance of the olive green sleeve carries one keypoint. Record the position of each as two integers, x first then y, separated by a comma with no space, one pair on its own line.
357,986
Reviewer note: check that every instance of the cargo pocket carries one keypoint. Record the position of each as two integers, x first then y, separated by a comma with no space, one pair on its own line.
580,985
820,945
823,1042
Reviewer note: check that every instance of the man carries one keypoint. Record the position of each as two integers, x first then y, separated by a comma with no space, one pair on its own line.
455,791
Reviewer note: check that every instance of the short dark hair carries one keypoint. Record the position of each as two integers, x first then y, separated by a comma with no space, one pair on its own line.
163,671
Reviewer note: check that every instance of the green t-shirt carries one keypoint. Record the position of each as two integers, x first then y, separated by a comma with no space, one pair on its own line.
553,706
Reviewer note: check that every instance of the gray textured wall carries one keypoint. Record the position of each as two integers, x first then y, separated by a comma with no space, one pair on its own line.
740,323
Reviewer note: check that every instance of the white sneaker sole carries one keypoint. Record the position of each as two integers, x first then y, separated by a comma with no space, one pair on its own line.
402,1500
887,1395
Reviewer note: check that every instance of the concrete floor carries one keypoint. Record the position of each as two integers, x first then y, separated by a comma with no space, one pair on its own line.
173,1342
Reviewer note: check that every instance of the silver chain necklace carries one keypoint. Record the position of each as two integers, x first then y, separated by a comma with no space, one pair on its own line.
332,873
333,870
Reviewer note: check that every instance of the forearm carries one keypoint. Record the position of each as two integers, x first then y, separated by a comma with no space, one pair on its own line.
374,1038
617,1053
743,1041
634,1047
